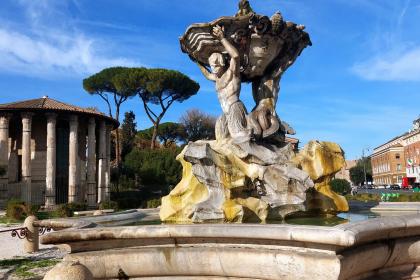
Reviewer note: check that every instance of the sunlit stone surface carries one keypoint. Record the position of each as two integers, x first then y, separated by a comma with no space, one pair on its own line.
322,160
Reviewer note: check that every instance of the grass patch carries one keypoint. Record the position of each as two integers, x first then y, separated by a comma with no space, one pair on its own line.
365,197
22,267
7,220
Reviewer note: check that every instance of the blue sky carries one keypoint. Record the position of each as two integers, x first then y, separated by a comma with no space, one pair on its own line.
358,85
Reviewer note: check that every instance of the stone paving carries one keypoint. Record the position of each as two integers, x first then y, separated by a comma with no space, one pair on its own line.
12,249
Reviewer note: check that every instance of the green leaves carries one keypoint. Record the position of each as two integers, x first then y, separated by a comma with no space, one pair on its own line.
340,186
103,81
157,86
151,84
155,167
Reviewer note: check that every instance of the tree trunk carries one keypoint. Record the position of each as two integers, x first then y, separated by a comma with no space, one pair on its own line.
154,135
117,139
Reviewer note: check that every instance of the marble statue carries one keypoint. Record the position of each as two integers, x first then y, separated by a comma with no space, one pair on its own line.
233,122
249,173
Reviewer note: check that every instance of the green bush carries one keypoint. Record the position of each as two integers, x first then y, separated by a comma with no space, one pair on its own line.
16,209
156,170
153,203
130,199
415,197
340,186
67,210
364,197
108,205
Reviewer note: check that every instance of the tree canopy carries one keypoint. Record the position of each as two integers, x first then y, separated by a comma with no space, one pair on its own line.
128,133
103,84
159,87
340,186
167,133
198,125
357,173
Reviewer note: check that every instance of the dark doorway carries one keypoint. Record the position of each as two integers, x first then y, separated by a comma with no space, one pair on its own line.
62,174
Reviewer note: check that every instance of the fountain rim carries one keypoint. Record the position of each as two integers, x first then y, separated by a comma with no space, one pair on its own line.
345,235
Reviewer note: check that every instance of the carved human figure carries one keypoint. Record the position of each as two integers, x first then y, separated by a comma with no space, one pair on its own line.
233,122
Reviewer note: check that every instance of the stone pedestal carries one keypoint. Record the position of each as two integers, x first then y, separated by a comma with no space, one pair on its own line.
91,164
31,243
74,180
51,160
26,157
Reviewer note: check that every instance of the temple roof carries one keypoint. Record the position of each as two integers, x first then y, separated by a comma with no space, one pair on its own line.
47,104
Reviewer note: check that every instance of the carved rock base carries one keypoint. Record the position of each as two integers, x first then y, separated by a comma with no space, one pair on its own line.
226,182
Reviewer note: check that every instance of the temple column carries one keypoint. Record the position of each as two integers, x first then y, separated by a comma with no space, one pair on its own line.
108,163
74,180
82,161
51,160
102,162
26,157
4,155
91,164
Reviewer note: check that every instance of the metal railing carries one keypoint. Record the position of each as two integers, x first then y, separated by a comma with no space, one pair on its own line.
20,232
16,232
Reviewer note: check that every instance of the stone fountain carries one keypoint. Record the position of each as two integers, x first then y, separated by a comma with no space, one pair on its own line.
250,172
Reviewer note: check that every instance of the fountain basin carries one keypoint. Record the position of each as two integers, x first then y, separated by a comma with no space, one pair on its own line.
374,249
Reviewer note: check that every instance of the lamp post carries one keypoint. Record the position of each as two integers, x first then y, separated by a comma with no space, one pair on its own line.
364,163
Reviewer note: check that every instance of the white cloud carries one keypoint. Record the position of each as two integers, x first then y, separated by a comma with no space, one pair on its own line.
401,66
46,43
58,55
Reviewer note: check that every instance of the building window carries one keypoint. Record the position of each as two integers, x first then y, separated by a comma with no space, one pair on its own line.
398,167
397,156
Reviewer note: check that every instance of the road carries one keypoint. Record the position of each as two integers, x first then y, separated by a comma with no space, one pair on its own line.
379,191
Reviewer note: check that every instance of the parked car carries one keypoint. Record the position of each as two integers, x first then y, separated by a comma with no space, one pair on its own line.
395,187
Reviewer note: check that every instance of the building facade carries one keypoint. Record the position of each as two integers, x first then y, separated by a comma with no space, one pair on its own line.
388,164
398,159
412,154
54,153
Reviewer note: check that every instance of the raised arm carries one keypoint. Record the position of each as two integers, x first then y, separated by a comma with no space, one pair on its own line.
232,51
206,73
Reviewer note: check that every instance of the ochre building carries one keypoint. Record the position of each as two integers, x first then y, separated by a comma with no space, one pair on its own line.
412,154
54,153
398,159
388,164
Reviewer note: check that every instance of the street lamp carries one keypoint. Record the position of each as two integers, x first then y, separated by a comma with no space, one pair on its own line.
364,163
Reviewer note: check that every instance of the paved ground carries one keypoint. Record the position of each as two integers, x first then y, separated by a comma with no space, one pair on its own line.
13,246
13,258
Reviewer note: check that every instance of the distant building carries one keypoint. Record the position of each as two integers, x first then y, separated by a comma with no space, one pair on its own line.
398,159
54,153
412,153
388,164
344,173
